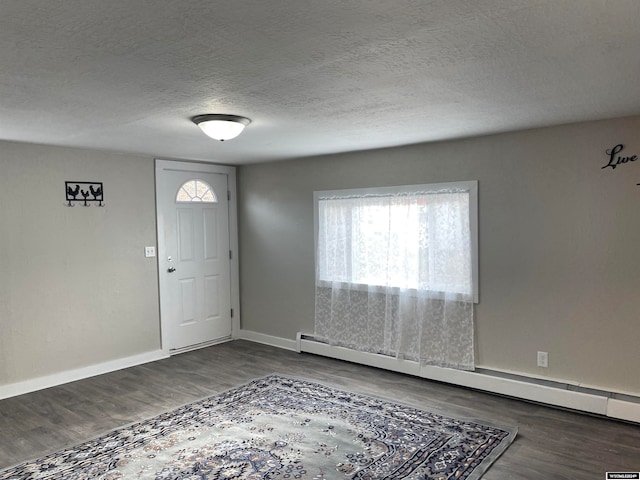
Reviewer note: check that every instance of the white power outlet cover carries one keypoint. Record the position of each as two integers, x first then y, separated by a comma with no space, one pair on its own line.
543,359
149,252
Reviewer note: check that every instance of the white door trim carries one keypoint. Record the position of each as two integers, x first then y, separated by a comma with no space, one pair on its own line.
162,164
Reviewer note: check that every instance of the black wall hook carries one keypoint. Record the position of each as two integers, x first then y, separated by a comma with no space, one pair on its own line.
85,189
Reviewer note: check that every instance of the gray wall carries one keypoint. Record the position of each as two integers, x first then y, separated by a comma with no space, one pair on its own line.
559,250
559,244
75,287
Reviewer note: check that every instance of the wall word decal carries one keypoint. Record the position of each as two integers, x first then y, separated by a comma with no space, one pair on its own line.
615,159
88,192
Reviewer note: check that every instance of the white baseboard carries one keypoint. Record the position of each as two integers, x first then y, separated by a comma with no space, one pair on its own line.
624,410
28,386
268,340
364,358
523,388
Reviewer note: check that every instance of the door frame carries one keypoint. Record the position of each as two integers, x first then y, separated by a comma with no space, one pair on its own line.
234,270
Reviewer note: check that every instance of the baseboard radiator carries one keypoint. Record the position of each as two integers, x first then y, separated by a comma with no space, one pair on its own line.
599,402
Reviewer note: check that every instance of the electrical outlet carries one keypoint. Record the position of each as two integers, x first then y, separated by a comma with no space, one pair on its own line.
149,252
543,359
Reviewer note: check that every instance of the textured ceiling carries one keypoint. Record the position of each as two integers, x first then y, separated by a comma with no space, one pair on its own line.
315,77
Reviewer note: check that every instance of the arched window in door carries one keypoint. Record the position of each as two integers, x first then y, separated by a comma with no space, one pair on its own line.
196,191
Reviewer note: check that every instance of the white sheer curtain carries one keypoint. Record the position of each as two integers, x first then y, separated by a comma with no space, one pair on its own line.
394,275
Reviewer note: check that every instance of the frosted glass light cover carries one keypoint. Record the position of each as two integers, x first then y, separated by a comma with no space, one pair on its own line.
221,127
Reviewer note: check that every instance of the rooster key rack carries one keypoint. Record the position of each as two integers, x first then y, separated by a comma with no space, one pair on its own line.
84,192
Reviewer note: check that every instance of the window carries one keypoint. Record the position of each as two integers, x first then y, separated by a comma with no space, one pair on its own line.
419,237
196,191
396,271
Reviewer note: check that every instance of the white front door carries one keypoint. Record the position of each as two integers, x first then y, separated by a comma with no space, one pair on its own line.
193,255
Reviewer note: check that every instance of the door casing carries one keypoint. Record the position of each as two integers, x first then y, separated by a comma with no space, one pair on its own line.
162,165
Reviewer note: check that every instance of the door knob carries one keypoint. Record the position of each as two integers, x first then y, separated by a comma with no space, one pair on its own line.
171,269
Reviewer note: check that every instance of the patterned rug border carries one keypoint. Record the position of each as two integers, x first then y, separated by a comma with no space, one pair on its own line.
141,420
485,423
475,475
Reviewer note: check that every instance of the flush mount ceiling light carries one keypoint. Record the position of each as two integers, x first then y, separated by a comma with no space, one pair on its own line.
221,127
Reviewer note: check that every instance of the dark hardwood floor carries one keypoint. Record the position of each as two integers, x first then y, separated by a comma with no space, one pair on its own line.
551,443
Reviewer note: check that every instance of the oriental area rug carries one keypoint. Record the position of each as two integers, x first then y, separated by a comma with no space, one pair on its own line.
281,428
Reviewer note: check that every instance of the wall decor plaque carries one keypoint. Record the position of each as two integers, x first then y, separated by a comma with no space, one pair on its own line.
85,192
